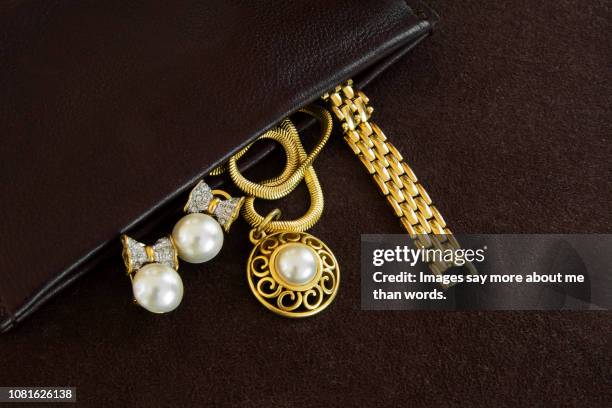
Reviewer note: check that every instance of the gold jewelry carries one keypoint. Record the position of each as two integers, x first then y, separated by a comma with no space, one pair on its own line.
298,167
297,161
156,285
303,223
197,237
395,179
217,203
291,272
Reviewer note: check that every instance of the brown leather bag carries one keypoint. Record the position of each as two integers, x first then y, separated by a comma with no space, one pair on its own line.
111,111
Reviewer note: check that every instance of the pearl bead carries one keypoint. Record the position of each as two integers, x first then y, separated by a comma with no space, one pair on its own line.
296,263
158,288
198,238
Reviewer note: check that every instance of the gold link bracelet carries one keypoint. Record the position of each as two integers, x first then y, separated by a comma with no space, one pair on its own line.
395,179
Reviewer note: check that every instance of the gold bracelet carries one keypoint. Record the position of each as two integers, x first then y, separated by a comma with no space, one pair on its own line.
396,180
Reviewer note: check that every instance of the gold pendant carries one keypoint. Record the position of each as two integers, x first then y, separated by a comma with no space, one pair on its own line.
293,274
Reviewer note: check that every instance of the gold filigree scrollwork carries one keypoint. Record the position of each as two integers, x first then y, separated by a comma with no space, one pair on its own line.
279,296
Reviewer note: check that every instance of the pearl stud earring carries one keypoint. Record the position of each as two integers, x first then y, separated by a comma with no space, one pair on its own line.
156,285
198,236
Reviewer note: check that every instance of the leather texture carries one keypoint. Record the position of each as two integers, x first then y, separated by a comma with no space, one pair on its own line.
111,111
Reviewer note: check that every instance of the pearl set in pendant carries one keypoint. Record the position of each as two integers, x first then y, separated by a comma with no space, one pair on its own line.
296,264
196,238
293,274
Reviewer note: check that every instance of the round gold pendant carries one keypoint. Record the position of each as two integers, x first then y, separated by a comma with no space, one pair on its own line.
293,274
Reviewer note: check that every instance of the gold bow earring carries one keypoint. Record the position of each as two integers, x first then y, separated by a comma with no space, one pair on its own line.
198,236
156,285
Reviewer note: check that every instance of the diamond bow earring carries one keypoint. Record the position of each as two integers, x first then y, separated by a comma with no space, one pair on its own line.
198,236
152,269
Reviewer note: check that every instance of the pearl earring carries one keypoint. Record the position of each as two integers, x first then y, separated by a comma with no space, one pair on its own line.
156,285
198,236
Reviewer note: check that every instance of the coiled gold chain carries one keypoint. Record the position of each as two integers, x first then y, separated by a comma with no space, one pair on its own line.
297,163
298,166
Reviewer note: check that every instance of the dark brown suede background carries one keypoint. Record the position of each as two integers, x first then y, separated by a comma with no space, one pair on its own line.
505,115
